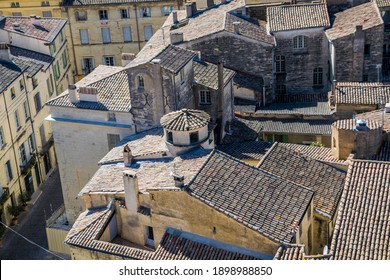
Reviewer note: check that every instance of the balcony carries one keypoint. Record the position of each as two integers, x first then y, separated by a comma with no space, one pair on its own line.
43,150
4,196
25,168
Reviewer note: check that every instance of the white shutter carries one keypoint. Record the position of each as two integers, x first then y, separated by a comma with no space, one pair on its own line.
106,35
84,36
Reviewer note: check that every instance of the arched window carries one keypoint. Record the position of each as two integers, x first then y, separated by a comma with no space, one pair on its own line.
300,42
141,84
317,76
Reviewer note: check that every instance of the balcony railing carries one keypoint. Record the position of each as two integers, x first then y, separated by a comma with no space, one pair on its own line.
25,168
47,145
4,196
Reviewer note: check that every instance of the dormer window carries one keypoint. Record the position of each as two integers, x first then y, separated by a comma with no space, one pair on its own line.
300,42
141,84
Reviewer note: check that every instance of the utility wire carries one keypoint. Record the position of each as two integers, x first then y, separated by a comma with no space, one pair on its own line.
30,241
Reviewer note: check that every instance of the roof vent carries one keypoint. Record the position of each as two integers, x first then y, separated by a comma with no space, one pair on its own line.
16,26
387,108
179,180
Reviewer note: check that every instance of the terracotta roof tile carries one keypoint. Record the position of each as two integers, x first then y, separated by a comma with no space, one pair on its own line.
350,124
185,120
383,3
379,116
326,181
174,58
366,15
362,93
362,227
47,31
296,252
290,17
265,203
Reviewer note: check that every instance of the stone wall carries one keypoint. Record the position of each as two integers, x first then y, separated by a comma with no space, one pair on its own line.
300,62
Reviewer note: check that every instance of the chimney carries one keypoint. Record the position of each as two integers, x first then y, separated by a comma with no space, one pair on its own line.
127,155
189,9
88,94
176,38
220,99
130,183
127,58
210,3
174,17
16,26
5,53
387,108
73,94
179,180
194,9
236,27
334,84
37,21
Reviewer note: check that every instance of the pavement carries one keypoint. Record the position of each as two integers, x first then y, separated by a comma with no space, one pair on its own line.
32,224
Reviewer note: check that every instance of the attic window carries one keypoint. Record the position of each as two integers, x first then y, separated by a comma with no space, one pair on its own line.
45,3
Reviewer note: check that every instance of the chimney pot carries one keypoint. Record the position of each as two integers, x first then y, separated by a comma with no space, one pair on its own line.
130,182
179,180
127,155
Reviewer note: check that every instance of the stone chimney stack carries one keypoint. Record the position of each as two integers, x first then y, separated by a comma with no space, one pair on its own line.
189,9
179,180
127,155
130,182
174,17
73,94
176,38
5,53
127,58
236,27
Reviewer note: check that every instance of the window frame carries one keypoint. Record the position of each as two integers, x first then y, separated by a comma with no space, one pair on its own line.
140,82
86,33
37,103
17,120
167,10
318,76
110,57
107,29
26,111
123,34
84,16
3,143
145,12
103,15
151,32
125,15
300,42
204,97
8,171
194,137
280,64
13,93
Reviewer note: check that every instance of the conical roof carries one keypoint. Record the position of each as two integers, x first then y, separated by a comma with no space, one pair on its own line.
185,120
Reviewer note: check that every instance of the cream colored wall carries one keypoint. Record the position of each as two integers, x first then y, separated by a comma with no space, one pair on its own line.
55,239
28,8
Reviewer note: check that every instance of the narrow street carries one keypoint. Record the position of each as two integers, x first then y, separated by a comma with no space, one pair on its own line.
32,223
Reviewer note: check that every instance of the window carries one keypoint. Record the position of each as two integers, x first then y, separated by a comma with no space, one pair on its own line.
317,76
56,68
2,139
127,34
148,32
170,136
49,84
37,102
280,89
182,76
144,12
17,121
64,58
8,171
81,15
113,140
125,13
103,15
15,5
149,240
141,83
280,64
31,143
367,50
365,78
205,97
22,154
53,48
111,117
26,112
13,95
84,39
21,85
106,38
45,3
300,42
108,60
61,36
166,10
17,14
194,137
46,14
88,65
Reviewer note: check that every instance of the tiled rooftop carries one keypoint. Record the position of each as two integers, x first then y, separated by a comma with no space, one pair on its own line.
242,130
103,2
113,90
264,203
362,227
174,58
383,3
366,15
142,144
379,116
47,31
185,120
350,124
384,153
206,74
362,93
174,245
248,27
296,252
327,182
28,55
294,126
304,109
248,81
290,17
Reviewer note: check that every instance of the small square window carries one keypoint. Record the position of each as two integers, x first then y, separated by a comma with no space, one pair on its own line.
367,50
13,95
103,15
204,97
111,117
144,12
108,60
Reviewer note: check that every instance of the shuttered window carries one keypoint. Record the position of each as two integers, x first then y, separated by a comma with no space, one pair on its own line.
127,34
106,38
148,32
84,39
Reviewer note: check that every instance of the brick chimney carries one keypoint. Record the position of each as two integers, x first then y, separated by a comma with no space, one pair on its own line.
127,155
73,94
127,58
130,182
88,94
5,53
176,38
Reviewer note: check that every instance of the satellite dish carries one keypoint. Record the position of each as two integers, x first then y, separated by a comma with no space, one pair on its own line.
326,250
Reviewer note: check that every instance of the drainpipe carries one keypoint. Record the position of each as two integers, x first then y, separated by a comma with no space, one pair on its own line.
73,49
136,24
